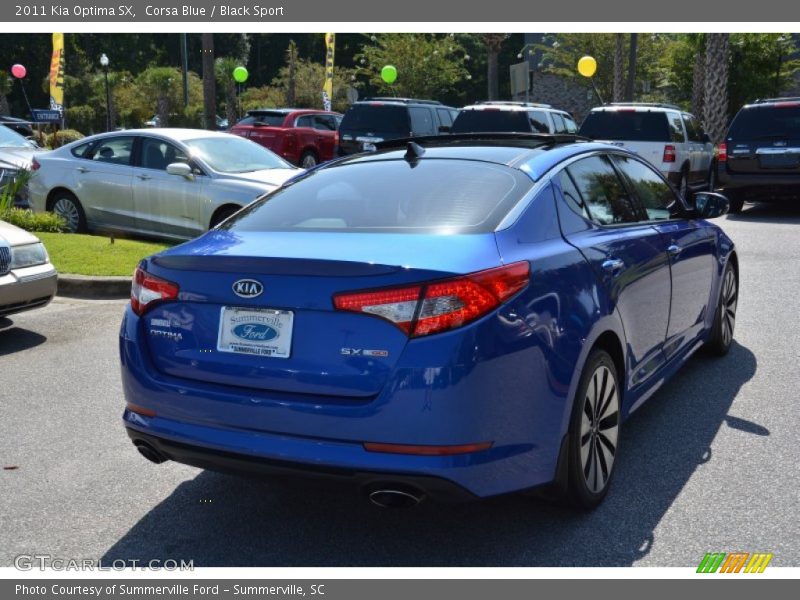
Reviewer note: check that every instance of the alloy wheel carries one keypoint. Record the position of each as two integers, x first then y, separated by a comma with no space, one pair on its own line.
309,161
729,300
599,429
66,209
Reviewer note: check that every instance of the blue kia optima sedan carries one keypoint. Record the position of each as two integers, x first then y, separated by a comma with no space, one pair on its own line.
452,317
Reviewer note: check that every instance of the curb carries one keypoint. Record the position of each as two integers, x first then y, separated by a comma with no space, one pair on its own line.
84,286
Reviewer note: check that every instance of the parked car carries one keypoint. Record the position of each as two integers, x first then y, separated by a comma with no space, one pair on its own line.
302,136
669,138
20,126
760,157
27,279
525,117
16,154
454,317
373,120
170,183
155,121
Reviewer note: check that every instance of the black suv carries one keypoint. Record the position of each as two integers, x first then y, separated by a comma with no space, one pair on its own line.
759,159
374,120
502,116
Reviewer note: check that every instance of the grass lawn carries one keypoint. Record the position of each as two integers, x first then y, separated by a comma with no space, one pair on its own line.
95,254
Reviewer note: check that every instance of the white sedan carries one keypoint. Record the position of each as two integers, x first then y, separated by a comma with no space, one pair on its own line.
170,183
27,278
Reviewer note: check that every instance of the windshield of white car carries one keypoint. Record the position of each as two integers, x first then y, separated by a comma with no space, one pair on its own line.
231,154
11,139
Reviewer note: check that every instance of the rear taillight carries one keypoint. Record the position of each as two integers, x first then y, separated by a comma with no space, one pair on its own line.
148,288
35,165
432,307
722,152
669,154
786,104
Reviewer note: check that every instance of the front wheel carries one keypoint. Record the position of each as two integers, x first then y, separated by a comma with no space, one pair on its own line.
594,432
736,205
719,343
308,160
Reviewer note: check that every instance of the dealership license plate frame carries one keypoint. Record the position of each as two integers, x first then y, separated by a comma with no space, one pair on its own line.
281,321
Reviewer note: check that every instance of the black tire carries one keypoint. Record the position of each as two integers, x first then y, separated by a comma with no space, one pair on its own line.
222,214
593,437
683,186
736,205
721,338
712,177
67,206
308,160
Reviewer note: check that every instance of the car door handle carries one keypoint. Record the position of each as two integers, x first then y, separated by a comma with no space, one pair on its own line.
674,249
613,265
144,177
82,170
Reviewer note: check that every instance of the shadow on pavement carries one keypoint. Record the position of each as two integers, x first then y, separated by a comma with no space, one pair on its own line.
15,339
785,213
218,520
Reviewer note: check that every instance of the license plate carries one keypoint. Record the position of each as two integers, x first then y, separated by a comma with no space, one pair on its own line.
256,331
368,147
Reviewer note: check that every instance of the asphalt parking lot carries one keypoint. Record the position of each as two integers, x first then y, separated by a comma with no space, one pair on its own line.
709,464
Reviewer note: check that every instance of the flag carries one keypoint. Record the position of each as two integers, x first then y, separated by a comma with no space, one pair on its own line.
57,73
327,87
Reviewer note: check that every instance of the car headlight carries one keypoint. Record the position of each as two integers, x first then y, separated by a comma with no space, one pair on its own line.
28,255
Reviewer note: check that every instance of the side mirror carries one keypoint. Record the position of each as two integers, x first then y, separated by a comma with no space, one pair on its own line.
444,128
180,168
710,205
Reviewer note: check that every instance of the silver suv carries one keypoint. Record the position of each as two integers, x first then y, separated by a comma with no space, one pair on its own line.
513,117
670,139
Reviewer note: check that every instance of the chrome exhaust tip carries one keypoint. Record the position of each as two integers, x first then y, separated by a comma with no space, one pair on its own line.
395,498
150,453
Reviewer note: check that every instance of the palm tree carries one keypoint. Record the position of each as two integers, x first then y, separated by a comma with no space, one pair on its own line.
493,42
291,60
630,84
698,74
224,69
619,67
715,110
209,82
6,84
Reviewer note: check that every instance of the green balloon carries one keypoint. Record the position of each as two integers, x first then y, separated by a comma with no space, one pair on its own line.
240,74
389,74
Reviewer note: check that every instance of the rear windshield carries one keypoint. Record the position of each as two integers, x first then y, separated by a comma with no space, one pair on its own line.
491,120
271,119
433,195
634,126
376,118
767,122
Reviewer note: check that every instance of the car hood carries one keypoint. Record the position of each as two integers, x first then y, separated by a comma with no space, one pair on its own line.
18,158
274,177
14,235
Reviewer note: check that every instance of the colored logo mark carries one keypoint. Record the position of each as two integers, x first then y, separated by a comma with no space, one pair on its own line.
734,562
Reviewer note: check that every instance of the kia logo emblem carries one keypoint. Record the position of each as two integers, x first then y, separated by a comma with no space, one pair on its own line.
247,288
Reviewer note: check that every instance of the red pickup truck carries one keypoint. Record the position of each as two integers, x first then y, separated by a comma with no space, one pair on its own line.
304,137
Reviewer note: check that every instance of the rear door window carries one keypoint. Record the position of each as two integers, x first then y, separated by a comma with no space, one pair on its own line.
561,127
304,121
693,129
676,128
324,122
602,191
445,116
539,123
627,125
572,127
115,150
421,121
436,195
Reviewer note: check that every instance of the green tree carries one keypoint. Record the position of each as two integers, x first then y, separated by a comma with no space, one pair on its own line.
493,43
428,65
224,67
5,89
308,81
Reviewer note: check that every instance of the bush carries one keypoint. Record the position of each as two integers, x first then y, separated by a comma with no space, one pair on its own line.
65,136
31,221
83,118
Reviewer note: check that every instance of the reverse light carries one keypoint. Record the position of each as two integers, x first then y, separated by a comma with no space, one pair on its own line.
722,152
426,450
436,306
147,289
669,154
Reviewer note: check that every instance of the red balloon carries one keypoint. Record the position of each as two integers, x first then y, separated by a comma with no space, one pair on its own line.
19,71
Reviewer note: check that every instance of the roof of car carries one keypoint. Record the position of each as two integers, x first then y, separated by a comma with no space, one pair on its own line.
286,111
512,106
622,106
174,133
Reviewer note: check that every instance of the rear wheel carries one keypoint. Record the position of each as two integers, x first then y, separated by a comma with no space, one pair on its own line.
308,160
594,432
69,208
222,214
719,343
683,186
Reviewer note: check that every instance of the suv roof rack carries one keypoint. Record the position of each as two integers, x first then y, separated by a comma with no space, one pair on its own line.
402,100
787,99
443,140
514,103
646,104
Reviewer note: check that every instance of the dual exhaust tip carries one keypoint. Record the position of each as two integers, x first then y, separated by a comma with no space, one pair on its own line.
384,496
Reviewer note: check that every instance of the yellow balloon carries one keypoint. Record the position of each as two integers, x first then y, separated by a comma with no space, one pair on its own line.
587,66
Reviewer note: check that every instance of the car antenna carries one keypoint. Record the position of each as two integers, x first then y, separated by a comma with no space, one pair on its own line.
413,152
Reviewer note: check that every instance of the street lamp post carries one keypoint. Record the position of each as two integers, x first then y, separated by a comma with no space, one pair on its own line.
526,56
104,64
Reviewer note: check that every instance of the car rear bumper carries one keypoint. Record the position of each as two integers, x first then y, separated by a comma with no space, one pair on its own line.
26,289
522,414
758,187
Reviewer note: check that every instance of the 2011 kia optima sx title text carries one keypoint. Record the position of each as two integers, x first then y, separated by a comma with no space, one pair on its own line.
457,317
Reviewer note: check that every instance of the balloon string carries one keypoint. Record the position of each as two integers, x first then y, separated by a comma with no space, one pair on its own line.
24,93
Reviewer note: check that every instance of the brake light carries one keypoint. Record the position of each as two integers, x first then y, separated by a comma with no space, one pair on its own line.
786,104
669,154
722,152
436,306
148,288
35,165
